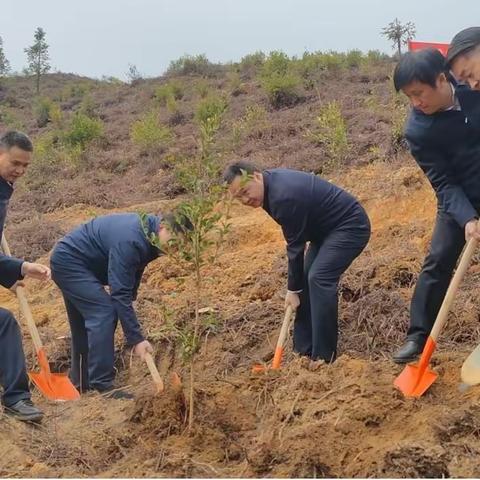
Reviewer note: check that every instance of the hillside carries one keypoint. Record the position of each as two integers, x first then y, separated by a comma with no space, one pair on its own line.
308,420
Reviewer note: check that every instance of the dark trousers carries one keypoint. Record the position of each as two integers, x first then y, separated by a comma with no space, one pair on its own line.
92,319
315,331
13,374
447,243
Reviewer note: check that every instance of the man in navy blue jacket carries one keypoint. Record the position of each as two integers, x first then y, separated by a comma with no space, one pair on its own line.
15,157
112,250
446,145
13,374
313,210
464,56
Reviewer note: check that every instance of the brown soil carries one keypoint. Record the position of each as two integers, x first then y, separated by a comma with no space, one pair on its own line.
307,420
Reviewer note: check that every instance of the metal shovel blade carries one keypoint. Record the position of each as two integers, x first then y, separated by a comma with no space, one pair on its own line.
415,381
470,372
55,386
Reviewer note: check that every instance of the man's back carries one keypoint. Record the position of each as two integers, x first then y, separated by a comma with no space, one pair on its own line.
93,241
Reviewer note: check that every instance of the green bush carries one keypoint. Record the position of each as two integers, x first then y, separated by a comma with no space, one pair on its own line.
252,62
9,118
149,134
45,111
354,58
83,130
210,107
192,65
169,90
253,122
282,90
331,132
277,63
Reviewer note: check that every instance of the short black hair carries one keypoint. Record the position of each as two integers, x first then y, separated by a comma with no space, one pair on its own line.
423,66
13,138
178,222
236,169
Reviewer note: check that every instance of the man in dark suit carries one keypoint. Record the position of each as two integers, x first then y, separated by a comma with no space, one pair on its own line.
313,210
446,145
13,374
463,57
112,250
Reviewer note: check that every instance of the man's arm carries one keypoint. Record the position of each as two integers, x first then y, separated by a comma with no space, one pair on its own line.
450,195
10,270
293,220
123,263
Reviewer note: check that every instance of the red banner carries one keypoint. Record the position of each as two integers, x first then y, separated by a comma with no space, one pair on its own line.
441,47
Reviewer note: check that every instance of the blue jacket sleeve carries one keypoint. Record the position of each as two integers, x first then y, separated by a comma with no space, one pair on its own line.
123,263
10,270
450,195
293,220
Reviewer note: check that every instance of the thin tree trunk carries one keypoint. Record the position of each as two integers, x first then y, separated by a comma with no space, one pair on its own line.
399,46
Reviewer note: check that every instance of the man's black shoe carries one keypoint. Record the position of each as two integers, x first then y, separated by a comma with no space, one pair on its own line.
408,352
25,411
116,394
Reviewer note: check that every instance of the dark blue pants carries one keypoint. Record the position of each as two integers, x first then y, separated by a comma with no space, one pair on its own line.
448,240
315,331
92,319
13,374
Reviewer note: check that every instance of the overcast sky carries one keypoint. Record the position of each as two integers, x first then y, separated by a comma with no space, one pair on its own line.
102,37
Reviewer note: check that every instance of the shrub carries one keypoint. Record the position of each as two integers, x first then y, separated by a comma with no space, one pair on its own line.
9,118
202,88
192,65
253,122
331,133
210,107
169,90
282,90
46,110
252,62
235,85
354,58
83,130
149,134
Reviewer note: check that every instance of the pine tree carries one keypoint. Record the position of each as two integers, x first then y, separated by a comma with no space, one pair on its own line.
37,55
399,33
4,63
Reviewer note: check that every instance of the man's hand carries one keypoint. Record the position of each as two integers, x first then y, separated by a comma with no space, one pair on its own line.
142,348
35,270
472,230
17,284
292,299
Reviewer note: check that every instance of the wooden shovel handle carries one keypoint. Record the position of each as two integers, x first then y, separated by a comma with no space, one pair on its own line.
453,287
24,307
277,358
157,379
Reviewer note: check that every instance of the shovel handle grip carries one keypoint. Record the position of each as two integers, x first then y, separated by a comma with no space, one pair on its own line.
277,358
24,307
157,379
453,288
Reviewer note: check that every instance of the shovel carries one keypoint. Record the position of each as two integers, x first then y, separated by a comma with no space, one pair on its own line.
470,372
415,380
55,386
277,357
157,379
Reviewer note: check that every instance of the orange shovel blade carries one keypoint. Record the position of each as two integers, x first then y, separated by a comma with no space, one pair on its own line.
416,379
412,382
55,386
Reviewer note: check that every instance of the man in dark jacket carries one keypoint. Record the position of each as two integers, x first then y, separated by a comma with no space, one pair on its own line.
313,210
15,156
463,57
112,250
13,374
446,146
